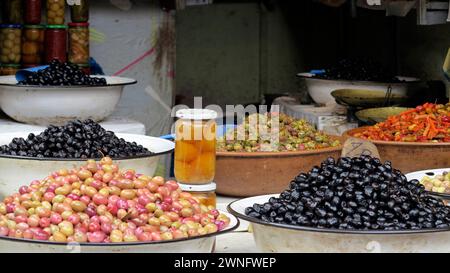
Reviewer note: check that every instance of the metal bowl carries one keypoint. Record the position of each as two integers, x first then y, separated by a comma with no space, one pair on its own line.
200,244
44,105
375,115
410,156
264,172
16,171
421,174
366,98
271,237
320,89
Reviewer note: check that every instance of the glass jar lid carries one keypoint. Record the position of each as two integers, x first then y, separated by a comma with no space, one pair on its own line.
196,114
198,188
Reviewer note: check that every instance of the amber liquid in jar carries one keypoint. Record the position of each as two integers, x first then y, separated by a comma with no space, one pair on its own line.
208,199
33,44
79,43
10,44
195,151
56,12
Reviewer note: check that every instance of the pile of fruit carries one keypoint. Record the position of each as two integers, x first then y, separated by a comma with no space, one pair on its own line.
98,203
255,135
355,194
358,70
62,74
76,139
439,184
426,123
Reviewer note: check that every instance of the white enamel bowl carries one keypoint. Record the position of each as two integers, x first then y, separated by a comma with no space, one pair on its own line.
200,244
430,173
271,237
16,171
320,89
44,105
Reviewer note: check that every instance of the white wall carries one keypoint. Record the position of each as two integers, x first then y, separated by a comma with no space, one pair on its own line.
129,30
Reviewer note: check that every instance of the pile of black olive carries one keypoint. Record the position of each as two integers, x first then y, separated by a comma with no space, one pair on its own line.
77,139
358,70
62,74
355,194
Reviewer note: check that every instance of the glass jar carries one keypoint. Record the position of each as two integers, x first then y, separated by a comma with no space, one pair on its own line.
79,43
206,194
56,12
33,12
195,146
79,13
56,43
12,11
10,38
9,69
33,44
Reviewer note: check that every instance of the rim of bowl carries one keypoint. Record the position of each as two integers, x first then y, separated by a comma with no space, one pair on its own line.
18,157
350,133
279,154
226,230
324,230
285,153
408,80
82,159
129,81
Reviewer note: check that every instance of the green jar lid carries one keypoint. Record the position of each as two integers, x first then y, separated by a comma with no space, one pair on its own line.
57,26
10,65
34,26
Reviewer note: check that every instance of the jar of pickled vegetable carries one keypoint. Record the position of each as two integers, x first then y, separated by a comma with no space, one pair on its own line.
195,146
10,39
33,44
9,69
206,194
79,43
33,12
12,11
56,12
79,12
56,43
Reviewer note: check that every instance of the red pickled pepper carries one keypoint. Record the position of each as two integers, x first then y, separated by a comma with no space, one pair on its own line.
426,123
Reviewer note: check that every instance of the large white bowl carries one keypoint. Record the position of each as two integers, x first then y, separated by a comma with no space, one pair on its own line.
200,244
320,89
44,105
271,237
16,171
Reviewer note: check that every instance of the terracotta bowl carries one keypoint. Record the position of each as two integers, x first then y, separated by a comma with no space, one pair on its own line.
246,174
411,156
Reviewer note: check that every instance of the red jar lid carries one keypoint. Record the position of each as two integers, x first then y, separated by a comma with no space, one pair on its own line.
78,24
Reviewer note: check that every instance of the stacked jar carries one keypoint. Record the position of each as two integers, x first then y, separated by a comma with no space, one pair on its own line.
79,35
33,34
10,48
10,36
56,32
195,152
